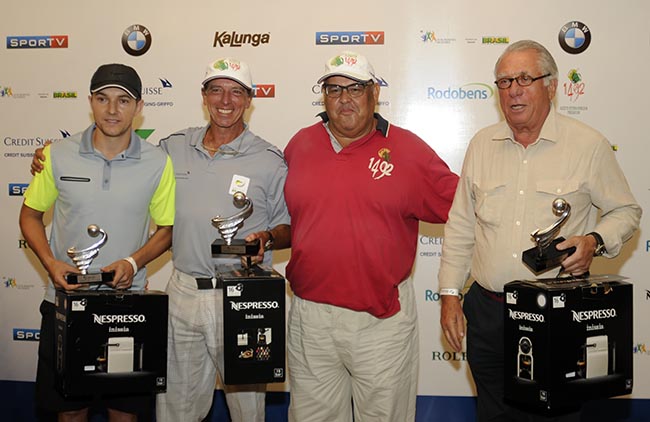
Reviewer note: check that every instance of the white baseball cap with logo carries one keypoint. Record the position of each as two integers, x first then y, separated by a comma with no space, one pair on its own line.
350,65
229,68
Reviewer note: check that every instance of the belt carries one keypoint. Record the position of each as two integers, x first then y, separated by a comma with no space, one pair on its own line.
208,283
489,293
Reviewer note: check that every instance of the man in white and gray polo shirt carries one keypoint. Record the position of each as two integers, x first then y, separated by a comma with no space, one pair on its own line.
209,163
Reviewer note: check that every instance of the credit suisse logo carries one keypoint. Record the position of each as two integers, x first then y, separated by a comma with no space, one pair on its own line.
26,334
37,41
350,38
155,91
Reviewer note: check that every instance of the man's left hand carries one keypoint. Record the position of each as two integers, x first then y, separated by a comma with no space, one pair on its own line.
123,278
579,262
263,236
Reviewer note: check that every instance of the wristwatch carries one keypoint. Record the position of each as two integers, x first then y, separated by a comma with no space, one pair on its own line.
268,245
600,243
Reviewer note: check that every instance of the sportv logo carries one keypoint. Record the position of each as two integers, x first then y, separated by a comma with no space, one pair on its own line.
264,91
470,91
242,306
38,41
118,319
26,334
17,189
233,39
593,314
350,38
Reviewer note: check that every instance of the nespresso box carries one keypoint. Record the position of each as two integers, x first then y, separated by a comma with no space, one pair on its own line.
567,340
253,324
111,342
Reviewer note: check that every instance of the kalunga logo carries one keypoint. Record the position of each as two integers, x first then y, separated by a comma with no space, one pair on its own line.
242,306
528,316
233,39
581,316
118,319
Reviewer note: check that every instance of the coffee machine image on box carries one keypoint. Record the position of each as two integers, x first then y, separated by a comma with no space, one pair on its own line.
597,358
525,359
119,354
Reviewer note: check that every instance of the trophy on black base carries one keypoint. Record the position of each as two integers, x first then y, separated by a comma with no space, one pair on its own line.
228,227
545,255
253,306
82,259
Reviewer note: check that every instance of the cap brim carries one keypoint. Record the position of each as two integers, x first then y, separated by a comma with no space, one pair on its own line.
113,85
357,78
212,78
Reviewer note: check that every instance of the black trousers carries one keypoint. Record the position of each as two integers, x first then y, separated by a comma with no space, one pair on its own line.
484,313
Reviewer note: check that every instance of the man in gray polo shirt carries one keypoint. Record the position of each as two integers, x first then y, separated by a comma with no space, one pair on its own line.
109,177
210,163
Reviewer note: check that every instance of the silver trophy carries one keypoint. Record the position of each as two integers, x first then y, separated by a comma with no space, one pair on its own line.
228,227
82,258
545,255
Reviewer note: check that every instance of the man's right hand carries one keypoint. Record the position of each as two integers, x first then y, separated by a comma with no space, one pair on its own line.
37,160
58,270
452,321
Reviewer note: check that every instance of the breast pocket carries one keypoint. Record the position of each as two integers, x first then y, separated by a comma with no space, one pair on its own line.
490,200
549,190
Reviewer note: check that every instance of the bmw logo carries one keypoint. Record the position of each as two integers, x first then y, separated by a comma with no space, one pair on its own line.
136,40
574,37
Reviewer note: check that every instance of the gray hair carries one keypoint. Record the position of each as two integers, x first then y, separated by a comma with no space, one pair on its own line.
544,59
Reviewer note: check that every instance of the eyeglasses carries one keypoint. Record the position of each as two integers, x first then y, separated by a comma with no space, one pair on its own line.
522,80
354,90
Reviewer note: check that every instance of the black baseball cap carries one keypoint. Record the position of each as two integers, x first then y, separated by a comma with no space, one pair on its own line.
117,76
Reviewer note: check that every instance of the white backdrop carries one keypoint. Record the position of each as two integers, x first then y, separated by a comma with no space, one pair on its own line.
430,54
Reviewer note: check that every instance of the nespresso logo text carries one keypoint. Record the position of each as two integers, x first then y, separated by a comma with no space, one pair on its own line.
242,306
118,319
593,314
527,316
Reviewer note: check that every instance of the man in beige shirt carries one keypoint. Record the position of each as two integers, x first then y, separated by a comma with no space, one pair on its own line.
513,170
